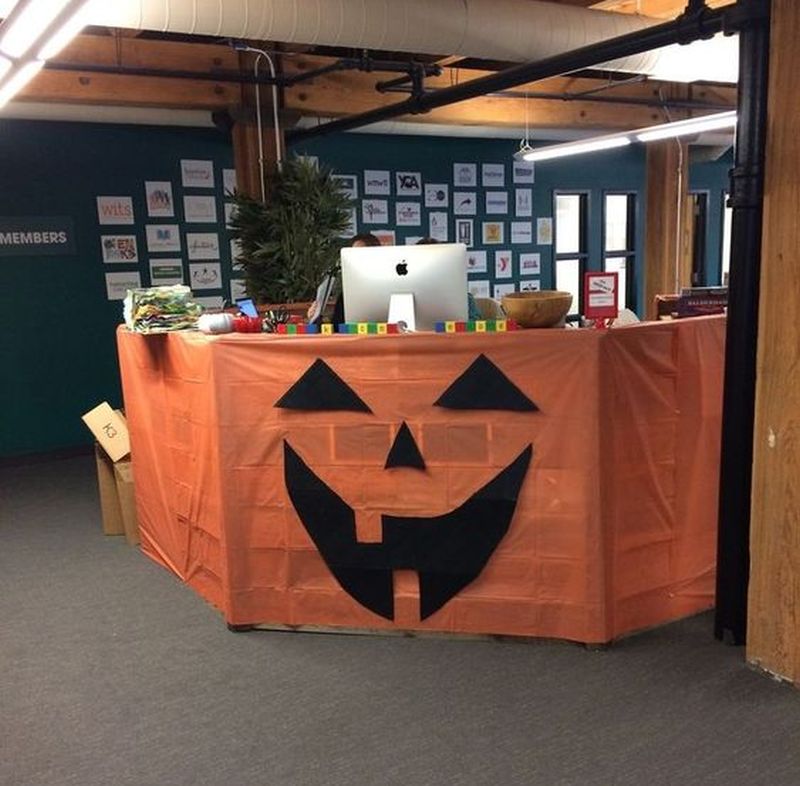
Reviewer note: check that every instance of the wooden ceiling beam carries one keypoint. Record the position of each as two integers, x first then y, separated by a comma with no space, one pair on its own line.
344,93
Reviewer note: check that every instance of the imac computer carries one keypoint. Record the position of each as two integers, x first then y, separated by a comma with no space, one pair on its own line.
418,285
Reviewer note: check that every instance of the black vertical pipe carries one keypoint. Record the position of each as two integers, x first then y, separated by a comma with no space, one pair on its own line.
747,196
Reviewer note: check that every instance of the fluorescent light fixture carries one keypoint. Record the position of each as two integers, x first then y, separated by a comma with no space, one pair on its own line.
5,64
26,24
695,125
66,31
18,80
577,148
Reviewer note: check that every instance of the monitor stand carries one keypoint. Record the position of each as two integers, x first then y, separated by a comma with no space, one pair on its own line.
401,309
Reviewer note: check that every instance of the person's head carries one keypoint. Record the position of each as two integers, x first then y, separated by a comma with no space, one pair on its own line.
426,241
365,240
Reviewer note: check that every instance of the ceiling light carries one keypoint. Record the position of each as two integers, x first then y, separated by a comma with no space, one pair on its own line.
577,148
18,80
5,64
695,125
26,23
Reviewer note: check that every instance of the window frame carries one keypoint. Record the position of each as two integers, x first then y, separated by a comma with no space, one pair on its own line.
582,255
630,253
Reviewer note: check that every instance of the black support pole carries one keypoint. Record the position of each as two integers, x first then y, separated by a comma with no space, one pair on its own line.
747,196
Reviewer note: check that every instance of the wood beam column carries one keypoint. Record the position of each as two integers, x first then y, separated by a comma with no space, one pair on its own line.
773,638
246,150
665,221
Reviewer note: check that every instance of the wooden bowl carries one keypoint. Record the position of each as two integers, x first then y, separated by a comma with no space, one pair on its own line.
537,309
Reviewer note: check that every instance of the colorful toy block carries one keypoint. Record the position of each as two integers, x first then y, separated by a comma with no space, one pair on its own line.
327,329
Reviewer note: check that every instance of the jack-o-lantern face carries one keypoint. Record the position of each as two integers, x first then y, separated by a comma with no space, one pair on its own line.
448,551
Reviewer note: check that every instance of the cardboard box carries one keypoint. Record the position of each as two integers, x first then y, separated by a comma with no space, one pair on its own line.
114,472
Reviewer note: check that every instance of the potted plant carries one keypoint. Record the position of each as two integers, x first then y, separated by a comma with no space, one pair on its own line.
292,241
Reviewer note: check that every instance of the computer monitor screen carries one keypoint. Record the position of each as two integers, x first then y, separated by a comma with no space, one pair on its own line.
436,275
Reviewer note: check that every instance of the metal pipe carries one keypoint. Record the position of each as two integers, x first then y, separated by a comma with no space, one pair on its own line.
709,24
738,411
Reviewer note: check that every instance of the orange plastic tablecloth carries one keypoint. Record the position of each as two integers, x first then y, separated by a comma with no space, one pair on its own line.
615,525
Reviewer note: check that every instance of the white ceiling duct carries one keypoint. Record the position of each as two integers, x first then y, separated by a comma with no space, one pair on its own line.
509,30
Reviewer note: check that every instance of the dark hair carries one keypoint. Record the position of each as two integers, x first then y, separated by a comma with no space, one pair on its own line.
365,238
426,241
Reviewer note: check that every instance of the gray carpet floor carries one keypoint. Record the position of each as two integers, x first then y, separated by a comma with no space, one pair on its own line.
112,672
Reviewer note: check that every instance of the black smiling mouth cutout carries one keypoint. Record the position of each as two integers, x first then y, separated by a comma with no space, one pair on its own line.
448,551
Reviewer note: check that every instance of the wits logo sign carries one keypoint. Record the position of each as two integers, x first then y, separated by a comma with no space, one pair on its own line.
36,236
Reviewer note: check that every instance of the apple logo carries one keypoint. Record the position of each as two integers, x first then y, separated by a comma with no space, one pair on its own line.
402,268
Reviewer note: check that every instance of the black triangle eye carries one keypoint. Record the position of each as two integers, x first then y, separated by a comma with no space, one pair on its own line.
321,389
484,386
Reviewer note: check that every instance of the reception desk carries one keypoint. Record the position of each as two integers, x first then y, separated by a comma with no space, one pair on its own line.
550,483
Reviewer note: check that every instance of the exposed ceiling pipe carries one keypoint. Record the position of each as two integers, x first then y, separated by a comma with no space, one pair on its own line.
624,46
509,30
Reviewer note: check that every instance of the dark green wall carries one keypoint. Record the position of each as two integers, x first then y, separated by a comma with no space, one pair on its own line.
57,329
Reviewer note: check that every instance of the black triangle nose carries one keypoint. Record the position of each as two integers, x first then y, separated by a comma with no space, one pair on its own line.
404,451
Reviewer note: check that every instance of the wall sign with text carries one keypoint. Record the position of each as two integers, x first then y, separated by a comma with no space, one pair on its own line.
35,236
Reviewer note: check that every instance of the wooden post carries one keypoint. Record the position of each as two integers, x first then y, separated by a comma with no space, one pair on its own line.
773,639
665,222
246,150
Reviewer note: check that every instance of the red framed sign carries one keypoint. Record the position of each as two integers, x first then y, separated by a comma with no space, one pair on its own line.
600,295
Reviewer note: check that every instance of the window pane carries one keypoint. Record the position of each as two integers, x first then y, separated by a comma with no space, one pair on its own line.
568,223
618,265
568,279
617,222
727,221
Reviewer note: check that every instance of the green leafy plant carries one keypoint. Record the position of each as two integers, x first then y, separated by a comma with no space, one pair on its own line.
291,242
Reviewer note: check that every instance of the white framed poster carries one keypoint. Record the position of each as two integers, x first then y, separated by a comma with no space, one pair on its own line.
230,209
118,284
532,285
166,272
202,245
496,202
503,264
236,253
158,194
437,195
210,302
524,202
163,238
119,249
464,231
522,232
437,226
352,223
408,214
530,264
544,231
523,171
200,209
476,262
408,183
465,175
478,288
377,181
503,289
374,211
493,175
115,210
465,203
238,289
197,174
493,233
229,182
205,275
348,185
